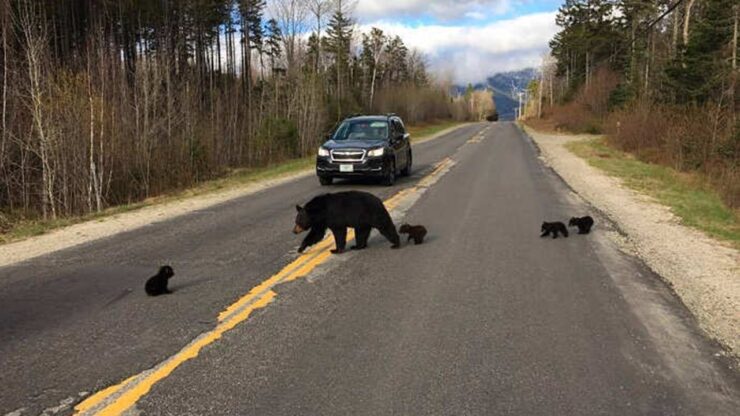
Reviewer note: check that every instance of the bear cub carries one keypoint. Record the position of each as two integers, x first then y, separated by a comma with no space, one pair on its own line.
584,224
157,284
339,211
415,232
554,228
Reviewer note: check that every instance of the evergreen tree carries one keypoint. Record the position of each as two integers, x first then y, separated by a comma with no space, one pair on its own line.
590,35
397,53
273,42
701,70
339,37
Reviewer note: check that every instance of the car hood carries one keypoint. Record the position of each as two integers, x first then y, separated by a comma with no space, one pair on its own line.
353,144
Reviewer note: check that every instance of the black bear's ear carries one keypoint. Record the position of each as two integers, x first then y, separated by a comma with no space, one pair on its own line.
298,208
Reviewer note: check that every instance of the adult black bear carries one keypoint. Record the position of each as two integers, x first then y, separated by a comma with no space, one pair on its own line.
415,232
584,224
359,210
554,228
157,284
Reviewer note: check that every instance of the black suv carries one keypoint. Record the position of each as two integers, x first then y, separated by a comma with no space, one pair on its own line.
366,146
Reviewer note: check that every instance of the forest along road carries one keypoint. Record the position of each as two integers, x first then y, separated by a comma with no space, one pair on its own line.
485,317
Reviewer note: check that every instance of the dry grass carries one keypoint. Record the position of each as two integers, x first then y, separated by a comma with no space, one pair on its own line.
423,130
689,195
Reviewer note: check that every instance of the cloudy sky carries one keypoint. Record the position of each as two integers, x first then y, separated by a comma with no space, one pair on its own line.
467,39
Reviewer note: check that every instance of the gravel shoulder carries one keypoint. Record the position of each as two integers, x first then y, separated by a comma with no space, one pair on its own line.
704,272
92,230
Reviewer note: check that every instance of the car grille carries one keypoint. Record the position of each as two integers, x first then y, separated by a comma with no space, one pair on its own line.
348,155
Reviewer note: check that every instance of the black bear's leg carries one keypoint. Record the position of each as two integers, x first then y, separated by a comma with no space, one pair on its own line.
565,232
545,233
392,236
408,239
418,240
340,237
314,236
554,233
361,236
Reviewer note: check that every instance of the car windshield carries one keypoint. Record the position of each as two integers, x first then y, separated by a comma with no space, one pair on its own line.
362,130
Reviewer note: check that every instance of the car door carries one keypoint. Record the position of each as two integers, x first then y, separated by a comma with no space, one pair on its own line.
405,144
398,136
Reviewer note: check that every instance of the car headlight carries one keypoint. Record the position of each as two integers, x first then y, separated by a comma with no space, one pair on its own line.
323,152
376,152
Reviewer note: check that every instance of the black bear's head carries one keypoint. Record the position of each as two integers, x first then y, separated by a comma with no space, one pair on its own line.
573,221
405,228
545,226
166,271
302,221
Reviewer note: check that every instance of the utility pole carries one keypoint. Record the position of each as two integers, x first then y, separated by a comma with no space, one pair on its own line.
521,105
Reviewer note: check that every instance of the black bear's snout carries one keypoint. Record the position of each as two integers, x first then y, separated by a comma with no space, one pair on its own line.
298,229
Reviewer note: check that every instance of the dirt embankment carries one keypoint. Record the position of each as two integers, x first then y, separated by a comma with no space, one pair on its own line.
703,272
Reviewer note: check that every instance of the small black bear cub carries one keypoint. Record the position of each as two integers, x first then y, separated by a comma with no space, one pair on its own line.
157,284
554,228
415,232
339,211
584,224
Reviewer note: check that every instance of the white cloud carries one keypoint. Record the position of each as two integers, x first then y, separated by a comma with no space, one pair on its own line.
440,9
472,53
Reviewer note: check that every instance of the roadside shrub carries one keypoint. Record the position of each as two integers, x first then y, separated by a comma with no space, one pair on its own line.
688,138
586,112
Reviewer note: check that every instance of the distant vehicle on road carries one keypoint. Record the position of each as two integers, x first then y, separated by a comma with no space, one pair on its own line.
366,146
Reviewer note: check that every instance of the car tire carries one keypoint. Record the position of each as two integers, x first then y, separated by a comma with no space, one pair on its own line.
390,176
326,180
407,170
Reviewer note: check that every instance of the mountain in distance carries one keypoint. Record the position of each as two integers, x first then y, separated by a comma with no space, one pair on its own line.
505,86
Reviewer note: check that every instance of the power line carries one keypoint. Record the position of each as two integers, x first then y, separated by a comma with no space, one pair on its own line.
639,33
666,13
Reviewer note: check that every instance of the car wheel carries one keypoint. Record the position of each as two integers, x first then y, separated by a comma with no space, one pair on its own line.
407,170
325,180
390,176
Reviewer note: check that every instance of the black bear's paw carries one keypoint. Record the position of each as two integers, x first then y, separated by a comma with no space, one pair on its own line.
395,246
337,251
358,247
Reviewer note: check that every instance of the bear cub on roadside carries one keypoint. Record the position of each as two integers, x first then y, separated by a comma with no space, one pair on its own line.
584,224
157,284
338,211
554,228
415,232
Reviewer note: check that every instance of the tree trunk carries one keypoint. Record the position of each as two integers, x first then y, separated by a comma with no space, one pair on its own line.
4,14
674,37
372,84
686,21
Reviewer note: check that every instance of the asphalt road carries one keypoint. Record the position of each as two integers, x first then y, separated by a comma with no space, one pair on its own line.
484,318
